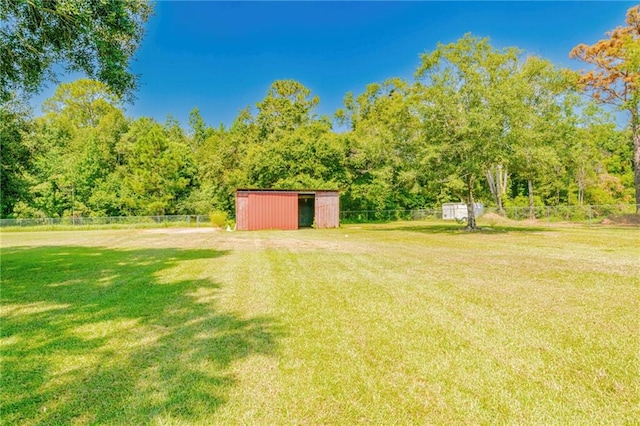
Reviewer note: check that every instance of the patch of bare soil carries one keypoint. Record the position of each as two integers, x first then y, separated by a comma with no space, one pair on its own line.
291,244
180,230
632,219
495,219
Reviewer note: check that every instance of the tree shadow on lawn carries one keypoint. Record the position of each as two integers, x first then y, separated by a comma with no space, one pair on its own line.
455,229
98,335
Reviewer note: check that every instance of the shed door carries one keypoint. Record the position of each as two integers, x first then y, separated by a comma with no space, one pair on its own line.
306,210
327,209
242,211
273,210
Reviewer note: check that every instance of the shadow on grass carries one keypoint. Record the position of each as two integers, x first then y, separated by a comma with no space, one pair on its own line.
456,229
97,335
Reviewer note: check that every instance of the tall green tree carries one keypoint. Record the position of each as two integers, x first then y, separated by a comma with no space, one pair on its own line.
287,106
198,129
615,80
15,157
157,171
464,92
307,157
537,121
597,159
82,103
221,161
287,145
98,38
383,152
74,147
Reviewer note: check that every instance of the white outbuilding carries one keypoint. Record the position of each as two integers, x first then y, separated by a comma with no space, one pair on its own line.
459,211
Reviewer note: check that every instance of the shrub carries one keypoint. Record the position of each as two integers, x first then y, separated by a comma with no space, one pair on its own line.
221,219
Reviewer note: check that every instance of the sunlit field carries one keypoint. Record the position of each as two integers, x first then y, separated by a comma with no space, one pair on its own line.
400,323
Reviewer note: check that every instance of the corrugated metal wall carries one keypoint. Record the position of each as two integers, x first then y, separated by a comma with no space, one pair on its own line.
256,209
242,210
273,210
327,209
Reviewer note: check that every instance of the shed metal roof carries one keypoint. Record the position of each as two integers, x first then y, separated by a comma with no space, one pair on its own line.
310,191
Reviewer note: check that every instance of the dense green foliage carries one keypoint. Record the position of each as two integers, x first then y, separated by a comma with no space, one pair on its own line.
96,37
15,157
615,78
400,144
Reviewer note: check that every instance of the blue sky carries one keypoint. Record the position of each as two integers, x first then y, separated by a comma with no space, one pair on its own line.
221,57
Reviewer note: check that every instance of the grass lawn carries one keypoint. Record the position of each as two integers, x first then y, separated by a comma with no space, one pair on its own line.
401,323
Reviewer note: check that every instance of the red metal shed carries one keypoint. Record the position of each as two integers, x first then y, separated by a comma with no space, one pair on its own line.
286,209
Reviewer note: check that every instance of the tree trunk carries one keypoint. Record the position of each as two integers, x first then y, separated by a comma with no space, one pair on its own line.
498,185
635,127
503,189
581,182
492,180
471,214
532,211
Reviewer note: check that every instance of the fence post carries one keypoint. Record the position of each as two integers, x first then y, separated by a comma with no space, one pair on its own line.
590,214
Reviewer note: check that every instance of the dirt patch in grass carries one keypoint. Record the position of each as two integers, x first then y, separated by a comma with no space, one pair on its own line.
181,231
295,245
632,219
495,219
300,245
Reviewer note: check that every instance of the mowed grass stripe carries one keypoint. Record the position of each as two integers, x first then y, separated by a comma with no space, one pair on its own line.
248,289
400,323
590,303
376,342
346,305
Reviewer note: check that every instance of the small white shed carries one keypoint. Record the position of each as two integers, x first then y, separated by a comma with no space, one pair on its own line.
458,211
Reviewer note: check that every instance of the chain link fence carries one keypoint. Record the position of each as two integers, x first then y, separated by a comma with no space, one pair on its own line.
364,216
117,221
585,214
568,213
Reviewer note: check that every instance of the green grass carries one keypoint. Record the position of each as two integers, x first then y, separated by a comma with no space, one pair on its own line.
400,323
103,226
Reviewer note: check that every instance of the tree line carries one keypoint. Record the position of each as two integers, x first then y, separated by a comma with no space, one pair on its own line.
476,123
